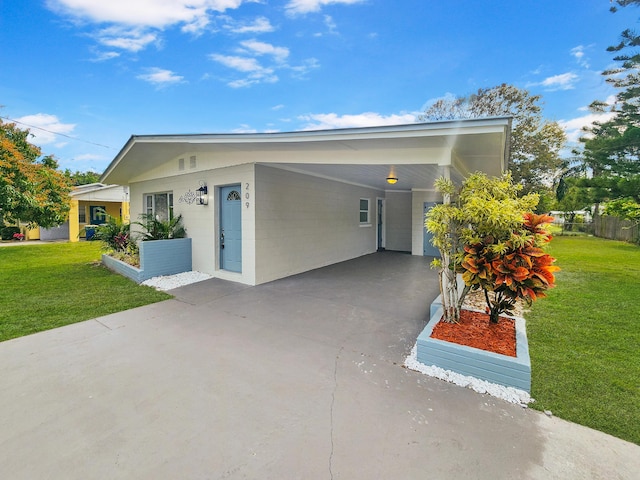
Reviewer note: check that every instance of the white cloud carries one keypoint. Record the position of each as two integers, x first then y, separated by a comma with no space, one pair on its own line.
142,13
244,128
253,79
197,26
103,56
131,39
277,107
579,54
160,77
301,71
44,128
134,24
256,72
261,48
259,25
242,64
564,81
328,121
297,7
331,25
573,127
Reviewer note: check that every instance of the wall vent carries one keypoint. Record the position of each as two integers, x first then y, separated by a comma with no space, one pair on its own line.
181,164
192,162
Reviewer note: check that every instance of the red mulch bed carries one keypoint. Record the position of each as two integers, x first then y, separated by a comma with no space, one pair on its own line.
475,330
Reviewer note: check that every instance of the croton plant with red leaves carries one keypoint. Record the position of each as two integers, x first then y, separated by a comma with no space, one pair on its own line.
515,269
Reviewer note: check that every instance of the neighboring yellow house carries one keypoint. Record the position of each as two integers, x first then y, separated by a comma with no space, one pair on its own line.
87,204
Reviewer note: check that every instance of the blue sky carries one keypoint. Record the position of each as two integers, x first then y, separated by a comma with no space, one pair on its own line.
97,72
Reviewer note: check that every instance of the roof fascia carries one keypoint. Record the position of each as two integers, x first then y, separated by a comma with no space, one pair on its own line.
121,154
451,127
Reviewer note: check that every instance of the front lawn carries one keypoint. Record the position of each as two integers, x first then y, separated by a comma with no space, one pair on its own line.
48,286
584,339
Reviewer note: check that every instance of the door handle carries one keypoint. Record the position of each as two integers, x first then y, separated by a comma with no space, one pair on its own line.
222,240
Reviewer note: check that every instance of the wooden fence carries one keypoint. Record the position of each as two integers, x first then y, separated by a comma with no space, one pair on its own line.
616,229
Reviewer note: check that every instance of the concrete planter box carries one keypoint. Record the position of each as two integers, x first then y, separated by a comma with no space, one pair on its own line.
157,257
492,367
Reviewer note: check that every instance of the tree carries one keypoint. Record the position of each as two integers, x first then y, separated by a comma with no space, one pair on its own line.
624,208
82,178
490,236
443,221
573,198
611,149
535,142
31,189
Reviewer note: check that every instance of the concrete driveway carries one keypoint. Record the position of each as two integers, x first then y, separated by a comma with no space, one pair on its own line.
297,379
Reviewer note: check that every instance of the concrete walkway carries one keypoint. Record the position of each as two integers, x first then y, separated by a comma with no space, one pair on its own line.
297,379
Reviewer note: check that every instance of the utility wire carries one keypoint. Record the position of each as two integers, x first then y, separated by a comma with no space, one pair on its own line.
58,133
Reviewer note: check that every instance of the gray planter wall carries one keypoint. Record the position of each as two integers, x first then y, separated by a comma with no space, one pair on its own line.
157,258
122,268
165,257
501,369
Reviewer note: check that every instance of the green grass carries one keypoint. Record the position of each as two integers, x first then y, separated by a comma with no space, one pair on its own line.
48,286
584,339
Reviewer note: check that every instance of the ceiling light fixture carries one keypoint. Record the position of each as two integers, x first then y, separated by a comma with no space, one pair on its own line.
392,180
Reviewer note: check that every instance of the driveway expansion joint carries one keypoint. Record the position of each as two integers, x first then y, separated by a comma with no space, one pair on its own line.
103,324
333,401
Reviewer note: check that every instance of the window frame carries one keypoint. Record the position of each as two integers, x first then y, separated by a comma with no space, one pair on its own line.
149,203
82,214
366,211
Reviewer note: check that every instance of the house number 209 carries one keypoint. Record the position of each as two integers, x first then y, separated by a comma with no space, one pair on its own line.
246,195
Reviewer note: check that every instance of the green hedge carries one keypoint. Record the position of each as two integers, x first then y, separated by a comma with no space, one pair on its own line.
7,232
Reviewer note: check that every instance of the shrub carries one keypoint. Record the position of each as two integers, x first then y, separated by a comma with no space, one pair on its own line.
7,232
114,234
156,229
490,236
516,269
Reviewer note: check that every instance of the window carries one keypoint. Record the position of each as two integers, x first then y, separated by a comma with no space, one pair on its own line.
97,214
160,205
233,196
364,210
82,214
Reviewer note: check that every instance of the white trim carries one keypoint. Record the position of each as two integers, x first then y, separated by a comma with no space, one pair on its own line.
383,234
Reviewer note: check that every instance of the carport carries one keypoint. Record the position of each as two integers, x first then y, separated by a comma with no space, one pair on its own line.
271,205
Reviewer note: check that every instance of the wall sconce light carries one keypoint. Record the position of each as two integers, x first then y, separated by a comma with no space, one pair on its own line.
392,180
201,195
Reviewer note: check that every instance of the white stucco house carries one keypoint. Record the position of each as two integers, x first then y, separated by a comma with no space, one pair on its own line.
278,204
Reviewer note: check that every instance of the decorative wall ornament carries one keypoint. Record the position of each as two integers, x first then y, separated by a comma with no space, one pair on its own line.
188,198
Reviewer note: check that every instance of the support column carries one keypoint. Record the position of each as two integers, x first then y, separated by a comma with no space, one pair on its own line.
74,226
